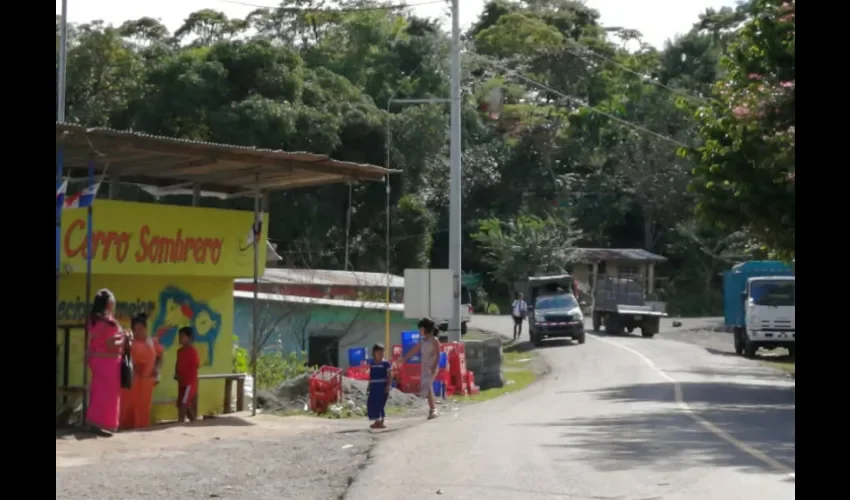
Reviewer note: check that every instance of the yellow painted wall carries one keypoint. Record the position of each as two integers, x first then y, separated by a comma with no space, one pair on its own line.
171,302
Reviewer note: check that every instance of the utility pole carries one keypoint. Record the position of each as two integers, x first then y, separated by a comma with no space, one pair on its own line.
63,53
455,177
60,153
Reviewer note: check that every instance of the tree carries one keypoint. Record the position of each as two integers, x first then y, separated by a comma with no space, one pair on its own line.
745,177
593,137
526,246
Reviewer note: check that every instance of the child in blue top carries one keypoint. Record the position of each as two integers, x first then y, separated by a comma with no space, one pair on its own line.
380,383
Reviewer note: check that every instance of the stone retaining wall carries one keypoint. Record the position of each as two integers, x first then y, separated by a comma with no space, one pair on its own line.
484,359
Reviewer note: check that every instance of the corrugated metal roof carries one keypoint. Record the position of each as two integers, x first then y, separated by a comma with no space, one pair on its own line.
327,278
161,161
292,299
616,254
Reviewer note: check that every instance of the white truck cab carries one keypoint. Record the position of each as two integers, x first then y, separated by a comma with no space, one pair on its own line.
770,312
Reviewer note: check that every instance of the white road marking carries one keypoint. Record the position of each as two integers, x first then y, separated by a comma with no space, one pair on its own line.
683,405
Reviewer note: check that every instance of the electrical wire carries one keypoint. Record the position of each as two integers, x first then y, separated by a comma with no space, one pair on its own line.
584,104
644,78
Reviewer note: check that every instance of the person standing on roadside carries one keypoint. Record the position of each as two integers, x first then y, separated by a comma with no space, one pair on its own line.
429,348
380,385
147,360
519,309
186,374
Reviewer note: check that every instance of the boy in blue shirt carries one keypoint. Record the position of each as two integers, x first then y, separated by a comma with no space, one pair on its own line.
380,383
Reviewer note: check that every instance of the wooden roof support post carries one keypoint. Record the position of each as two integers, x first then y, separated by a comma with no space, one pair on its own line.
113,187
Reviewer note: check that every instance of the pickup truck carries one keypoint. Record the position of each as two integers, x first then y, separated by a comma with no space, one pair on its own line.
553,310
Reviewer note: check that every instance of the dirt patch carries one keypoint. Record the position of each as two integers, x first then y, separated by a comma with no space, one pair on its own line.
228,457
80,448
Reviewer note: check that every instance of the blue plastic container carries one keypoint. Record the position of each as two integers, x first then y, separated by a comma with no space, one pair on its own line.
439,389
356,355
408,341
444,360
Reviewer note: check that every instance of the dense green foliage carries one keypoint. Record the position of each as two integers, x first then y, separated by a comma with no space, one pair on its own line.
273,367
583,151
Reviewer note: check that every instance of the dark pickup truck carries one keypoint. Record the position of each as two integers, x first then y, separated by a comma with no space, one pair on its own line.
553,310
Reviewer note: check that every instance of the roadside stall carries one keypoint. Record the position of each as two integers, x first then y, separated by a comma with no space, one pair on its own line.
175,263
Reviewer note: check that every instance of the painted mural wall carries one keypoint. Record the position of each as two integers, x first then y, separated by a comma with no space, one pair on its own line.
177,264
202,303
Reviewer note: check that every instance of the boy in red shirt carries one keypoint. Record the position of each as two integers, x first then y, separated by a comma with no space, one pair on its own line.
186,375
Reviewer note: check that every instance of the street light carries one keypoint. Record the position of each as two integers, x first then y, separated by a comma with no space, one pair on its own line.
388,144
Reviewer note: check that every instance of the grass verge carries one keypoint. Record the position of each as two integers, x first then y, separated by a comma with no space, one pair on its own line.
519,374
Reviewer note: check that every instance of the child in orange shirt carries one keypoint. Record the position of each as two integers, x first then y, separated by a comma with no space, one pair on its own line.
186,374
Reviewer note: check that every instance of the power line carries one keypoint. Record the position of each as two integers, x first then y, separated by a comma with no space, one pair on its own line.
625,68
583,104
340,9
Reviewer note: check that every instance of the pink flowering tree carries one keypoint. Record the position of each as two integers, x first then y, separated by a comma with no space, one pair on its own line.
745,174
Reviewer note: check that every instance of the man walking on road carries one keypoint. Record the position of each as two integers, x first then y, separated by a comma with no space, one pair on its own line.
518,310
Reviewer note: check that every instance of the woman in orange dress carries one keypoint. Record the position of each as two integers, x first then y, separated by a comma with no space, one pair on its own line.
106,343
147,359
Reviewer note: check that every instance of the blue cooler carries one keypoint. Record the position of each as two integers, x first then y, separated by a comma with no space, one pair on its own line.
439,389
356,355
408,341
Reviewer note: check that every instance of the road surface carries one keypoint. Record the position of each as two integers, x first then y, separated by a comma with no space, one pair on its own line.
619,418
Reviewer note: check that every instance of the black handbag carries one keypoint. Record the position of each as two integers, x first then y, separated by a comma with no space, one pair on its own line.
126,369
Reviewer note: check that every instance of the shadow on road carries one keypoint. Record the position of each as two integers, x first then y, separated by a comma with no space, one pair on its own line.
666,438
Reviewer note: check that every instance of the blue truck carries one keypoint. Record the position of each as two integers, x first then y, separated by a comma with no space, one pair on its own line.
759,302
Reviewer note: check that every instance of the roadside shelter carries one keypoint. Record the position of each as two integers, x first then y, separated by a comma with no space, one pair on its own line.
176,263
616,262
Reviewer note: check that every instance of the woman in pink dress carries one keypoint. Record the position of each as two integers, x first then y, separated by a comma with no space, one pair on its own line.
106,344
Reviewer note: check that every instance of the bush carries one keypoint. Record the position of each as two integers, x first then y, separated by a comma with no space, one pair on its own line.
275,367
241,359
272,367
493,309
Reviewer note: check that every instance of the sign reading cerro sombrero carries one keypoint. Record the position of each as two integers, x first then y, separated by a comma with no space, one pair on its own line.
153,239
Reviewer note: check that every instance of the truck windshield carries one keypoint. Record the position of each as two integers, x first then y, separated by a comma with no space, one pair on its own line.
564,301
777,293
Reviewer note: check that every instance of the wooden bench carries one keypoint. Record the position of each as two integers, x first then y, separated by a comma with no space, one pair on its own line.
228,388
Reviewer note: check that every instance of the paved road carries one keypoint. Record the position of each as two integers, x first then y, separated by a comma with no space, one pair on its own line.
619,418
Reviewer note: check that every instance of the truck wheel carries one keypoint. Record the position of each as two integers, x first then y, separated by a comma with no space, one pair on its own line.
537,340
597,322
463,328
739,344
614,325
792,351
631,329
750,349
647,334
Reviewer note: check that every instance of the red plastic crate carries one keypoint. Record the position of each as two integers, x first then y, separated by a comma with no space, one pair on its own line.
410,386
325,388
457,363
